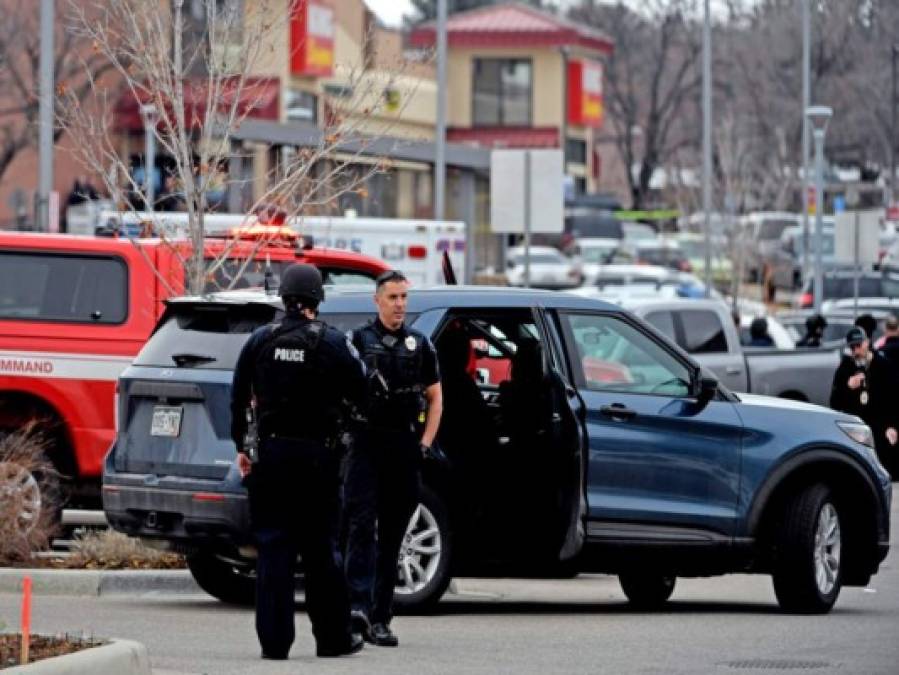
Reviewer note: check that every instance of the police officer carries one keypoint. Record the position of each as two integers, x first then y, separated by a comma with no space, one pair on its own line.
383,468
862,386
296,375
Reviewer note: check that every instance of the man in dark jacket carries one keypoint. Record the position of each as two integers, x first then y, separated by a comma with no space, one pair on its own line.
862,386
814,331
297,375
383,468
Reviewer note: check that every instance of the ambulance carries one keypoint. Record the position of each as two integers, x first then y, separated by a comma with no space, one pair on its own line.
415,247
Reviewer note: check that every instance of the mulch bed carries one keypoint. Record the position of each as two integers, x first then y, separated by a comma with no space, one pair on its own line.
42,647
168,561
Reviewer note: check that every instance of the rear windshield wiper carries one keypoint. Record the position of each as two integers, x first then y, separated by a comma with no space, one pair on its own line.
188,360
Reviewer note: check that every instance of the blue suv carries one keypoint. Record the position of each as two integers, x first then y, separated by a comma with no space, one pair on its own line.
579,439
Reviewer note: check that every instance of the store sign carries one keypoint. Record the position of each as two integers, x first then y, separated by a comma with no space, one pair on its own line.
312,38
585,105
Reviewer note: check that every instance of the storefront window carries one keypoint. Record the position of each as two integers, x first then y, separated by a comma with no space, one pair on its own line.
502,92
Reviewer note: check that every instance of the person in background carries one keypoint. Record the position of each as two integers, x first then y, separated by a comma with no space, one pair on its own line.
814,331
862,386
758,333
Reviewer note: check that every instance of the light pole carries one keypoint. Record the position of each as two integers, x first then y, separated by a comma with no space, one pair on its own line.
806,102
440,140
707,142
895,51
45,116
818,116
150,116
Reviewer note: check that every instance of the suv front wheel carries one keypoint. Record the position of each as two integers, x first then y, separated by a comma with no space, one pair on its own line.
647,590
807,572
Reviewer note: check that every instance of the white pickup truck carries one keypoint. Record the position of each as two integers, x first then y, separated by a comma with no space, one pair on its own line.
705,330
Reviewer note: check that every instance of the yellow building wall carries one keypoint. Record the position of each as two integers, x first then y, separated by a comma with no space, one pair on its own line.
547,105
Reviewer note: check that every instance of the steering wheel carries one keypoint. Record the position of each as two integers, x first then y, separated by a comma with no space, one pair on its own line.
667,383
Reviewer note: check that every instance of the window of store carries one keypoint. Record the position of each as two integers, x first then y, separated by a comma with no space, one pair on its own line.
302,106
575,151
502,92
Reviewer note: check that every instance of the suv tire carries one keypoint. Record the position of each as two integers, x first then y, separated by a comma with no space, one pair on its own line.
428,547
807,568
647,590
222,579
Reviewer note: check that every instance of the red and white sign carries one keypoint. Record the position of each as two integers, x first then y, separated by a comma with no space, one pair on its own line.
312,38
585,104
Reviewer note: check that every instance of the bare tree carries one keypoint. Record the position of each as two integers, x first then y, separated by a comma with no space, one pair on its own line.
204,89
19,64
651,78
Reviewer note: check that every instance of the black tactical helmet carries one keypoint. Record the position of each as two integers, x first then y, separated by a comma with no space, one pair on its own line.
304,282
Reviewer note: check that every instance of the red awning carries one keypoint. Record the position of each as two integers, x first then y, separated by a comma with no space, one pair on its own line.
506,137
259,98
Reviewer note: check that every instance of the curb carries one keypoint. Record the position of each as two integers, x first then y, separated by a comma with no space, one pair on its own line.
119,657
99,582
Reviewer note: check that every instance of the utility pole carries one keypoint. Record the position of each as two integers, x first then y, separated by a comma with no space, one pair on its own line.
707,143
806,102
440,140
45,117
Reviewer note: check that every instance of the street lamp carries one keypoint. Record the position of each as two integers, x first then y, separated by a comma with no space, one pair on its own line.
895,51
819,116
150,116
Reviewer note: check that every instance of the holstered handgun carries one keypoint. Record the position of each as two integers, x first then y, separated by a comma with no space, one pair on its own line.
251,437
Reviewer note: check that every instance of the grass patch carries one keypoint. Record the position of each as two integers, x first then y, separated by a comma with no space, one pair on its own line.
111,550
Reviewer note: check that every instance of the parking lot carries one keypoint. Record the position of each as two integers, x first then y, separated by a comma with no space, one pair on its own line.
721,625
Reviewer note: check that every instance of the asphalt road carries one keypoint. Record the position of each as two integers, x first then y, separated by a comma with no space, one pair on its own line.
721,625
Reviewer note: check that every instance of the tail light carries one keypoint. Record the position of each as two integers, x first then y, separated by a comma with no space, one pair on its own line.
417,252
806,300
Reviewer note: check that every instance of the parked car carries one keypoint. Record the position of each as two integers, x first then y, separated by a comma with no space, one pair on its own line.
694,248
760,234
705,329
659,252
603,447
548,268
593,253
75,310
840,284
787,261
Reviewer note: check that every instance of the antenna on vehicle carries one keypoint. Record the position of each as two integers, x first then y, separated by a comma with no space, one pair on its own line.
270,286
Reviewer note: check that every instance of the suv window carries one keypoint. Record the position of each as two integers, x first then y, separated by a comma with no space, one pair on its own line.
211,336
703,332
61,287
612,355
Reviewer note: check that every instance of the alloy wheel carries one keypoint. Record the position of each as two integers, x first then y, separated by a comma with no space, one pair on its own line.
828,545
21,492
420,552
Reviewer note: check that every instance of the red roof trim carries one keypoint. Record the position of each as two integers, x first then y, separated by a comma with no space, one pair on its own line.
512,25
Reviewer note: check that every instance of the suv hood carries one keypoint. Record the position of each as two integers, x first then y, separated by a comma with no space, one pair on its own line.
785,404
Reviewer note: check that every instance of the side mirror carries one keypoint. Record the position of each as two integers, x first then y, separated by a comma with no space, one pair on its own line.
706,388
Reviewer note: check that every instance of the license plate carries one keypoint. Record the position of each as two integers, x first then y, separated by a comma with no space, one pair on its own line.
166,421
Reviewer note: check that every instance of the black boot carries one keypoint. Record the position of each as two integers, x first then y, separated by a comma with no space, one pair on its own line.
351,646
383,636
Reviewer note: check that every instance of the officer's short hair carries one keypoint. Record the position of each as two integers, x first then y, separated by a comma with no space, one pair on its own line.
891,322
389,275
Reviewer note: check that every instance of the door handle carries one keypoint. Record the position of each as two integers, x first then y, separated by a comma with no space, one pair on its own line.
618,412
733,370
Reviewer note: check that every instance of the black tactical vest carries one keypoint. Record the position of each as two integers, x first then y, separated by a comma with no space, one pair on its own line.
398,359
294,396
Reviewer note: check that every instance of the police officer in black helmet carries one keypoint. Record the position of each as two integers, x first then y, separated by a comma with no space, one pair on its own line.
382,476
297,375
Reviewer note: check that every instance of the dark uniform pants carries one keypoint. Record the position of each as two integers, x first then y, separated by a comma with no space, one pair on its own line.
294,506
381,489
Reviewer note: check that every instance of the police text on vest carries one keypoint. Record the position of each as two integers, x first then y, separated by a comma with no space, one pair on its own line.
294,355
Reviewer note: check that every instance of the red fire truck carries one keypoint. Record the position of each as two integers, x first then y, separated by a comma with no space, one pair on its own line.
75,310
